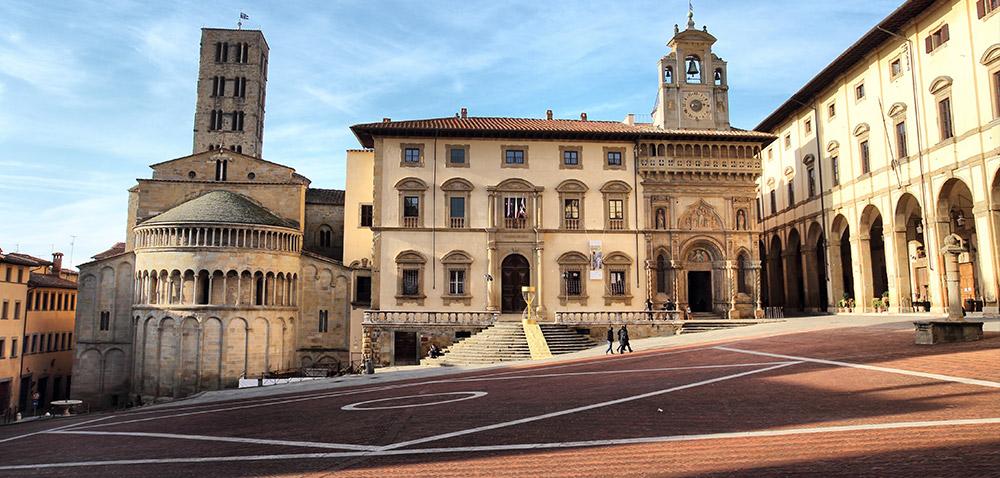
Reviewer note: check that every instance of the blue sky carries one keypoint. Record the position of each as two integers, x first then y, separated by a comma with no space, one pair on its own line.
92,92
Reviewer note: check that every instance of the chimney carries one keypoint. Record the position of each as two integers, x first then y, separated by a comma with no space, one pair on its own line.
583,116
548,114
57,262
465,113
630,119
386,120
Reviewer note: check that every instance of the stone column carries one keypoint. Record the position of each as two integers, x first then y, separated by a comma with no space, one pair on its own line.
951,249
985,251
809,283
491,304
539,307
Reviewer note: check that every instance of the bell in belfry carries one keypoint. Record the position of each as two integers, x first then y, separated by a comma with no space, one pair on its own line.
692,67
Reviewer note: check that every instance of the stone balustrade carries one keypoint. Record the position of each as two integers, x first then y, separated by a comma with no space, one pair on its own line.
617,317
474,318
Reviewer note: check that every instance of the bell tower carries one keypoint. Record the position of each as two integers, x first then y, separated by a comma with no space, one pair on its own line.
693,88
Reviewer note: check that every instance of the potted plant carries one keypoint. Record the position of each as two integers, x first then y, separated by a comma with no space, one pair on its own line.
877,304
885,301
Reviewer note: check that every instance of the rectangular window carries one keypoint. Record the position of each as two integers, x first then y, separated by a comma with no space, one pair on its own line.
859,91
937,38
573,284
411,155
617,282
456,156
34,343
366,215
835,167
895,68
3,315
770,154
571,213
456,211
515,212
808,126
456,282
3,347
811,176
363,290
411,206
760,209
13,347
788,140
324,321
614,158
571,158
774,202
20,275
984,7
996,92
514,156
791,193
105,320
411,282
6,275
831,110
17,310
616,209
944,116
866,166
901,139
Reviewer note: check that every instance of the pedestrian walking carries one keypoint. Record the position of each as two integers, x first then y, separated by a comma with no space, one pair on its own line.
623,340
611,340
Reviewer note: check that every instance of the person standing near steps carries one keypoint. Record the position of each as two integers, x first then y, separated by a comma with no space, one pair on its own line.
623,340
611,340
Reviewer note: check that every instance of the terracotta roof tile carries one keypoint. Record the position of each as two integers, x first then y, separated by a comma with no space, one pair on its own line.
540,128
325,196
24,259
117,249
50,281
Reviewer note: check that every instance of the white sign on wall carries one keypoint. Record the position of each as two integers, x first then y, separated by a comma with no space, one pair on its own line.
596,261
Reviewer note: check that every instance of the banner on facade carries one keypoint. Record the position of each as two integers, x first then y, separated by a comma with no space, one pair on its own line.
596,261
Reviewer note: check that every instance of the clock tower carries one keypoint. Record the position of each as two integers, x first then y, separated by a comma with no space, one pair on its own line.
693,90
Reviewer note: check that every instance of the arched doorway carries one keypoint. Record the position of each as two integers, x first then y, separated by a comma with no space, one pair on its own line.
514,274
815,268
776,272
955,216
873,256
705,278
911,255
795,292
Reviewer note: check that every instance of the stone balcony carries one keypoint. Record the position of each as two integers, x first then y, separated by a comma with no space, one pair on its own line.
651,166
431,318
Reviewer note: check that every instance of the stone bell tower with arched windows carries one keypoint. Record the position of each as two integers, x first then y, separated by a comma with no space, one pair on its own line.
693,88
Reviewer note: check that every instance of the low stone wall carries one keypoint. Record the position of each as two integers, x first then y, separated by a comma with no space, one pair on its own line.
382,339
599,333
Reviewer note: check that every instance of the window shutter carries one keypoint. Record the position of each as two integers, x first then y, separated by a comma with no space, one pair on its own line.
944,33
981,8
928,43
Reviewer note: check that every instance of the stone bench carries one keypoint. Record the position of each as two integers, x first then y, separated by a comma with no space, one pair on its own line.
930,332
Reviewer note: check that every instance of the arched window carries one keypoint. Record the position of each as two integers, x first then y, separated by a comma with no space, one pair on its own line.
692,69
572,269
325,236
743,276
719,79
668,75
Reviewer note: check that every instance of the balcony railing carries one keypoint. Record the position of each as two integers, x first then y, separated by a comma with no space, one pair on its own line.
456,222
616,224
515,223
477,318
616,317
571,224
410,221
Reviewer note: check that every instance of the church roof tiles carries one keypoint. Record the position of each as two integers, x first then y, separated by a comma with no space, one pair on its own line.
220,207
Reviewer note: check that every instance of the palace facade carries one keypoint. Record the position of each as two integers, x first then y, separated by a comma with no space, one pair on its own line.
602,218
886,152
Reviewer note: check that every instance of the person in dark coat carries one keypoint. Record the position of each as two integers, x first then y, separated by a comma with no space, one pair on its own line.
611,340
623,340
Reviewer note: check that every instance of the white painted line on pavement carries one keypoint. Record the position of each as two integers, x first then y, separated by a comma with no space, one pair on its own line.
580,409
468,396
64,427
934,376
616,372
521,446
255,441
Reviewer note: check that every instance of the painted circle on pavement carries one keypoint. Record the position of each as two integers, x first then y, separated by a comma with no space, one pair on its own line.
462,396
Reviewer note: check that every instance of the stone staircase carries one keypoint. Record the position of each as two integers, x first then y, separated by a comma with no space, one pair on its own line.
504,341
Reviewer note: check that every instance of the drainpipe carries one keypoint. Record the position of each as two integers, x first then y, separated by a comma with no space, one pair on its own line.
433,214
635,198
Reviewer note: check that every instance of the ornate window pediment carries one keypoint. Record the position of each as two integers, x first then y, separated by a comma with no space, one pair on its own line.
457,185
789,171
897,109
456,257
411,184
861,129
832,146
573,258
410,257
516,185
992,54
617,259
940,83
572,186
809,159
616,187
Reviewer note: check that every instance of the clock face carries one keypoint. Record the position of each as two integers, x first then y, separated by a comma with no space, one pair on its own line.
697,106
